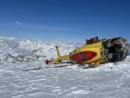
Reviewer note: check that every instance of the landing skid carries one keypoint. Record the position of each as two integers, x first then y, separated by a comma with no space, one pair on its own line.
47,67
80,65
86,67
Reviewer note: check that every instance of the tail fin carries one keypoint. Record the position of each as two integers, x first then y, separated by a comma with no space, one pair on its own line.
59,59
58,53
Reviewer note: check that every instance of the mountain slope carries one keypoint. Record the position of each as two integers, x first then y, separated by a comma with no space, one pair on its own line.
15,50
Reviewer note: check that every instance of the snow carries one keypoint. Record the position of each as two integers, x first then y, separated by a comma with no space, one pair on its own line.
106,81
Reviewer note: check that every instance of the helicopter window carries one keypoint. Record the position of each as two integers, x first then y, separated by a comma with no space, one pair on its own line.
83,56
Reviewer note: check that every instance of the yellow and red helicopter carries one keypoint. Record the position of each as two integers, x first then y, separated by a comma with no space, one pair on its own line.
96,51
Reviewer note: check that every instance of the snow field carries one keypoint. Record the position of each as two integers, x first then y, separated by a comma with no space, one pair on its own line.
106,81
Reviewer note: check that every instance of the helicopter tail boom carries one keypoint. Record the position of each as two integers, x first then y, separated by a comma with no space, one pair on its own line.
59,59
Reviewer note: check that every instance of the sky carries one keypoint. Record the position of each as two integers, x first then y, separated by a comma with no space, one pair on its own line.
65,20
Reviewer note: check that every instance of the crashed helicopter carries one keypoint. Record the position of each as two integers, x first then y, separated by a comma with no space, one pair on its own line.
96,52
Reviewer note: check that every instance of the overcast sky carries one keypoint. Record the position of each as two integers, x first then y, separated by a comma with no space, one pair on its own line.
65,20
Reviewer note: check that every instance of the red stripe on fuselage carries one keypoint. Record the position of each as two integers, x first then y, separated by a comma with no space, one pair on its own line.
88,54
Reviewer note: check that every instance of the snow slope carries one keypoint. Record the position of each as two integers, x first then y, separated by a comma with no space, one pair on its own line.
106,81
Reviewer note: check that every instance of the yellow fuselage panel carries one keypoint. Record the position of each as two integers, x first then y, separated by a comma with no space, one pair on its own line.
92,47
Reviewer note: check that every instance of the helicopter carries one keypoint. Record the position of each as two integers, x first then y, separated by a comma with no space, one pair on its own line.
96,52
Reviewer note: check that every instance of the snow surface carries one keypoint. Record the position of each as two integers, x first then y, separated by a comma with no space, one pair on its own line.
106,81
